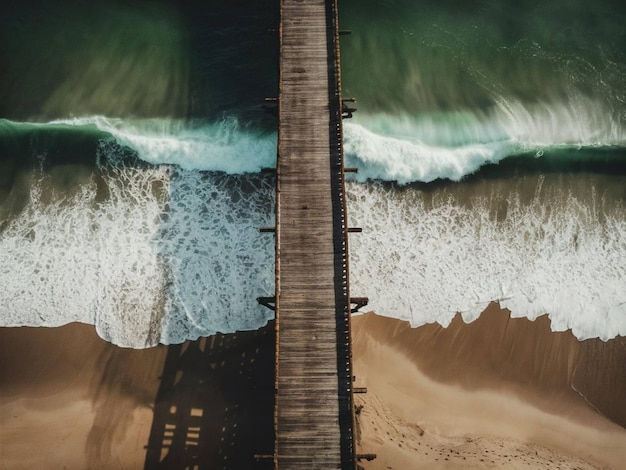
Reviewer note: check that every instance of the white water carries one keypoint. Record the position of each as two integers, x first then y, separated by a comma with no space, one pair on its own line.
424,264
143,277
220,146
149,265
139,275
451,146
398,148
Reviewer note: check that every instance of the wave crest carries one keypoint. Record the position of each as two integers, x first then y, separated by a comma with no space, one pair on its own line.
457,144
224,146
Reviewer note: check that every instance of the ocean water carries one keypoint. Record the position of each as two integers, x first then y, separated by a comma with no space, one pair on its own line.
489,137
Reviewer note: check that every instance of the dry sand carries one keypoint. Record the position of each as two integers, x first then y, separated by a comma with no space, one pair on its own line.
497,393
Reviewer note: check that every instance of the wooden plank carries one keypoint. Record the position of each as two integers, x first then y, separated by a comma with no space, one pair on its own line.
311,249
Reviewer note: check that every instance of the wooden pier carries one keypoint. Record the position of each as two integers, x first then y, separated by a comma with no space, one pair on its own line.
313,416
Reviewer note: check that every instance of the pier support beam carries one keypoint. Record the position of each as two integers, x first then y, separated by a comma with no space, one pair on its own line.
358,302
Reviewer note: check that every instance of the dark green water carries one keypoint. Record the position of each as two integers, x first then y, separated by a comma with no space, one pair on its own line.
140,59
432,56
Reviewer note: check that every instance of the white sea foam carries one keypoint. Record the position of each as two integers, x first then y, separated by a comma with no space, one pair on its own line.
392,159
173,253
424,264
218,259
384,147
455,144
219,146
140,274
78,260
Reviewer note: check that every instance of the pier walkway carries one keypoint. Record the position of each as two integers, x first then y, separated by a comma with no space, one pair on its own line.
313,414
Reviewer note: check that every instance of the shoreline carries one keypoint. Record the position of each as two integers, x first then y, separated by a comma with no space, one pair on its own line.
498,389
71,400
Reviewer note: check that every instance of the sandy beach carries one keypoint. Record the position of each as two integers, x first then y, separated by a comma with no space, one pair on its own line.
70,400
497,393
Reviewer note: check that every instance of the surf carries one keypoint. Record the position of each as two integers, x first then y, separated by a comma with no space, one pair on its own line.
426,255
166,255
423,148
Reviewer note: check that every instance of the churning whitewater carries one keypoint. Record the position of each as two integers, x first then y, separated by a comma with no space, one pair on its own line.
173,253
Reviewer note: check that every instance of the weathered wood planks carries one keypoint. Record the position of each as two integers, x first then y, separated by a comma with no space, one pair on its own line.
313,414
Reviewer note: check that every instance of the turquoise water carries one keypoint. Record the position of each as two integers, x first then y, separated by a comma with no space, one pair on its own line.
489,139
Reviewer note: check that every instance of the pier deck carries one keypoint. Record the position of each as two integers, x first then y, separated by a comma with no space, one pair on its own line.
313,412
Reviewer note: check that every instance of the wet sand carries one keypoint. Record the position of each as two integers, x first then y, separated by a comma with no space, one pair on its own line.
70,400
497,393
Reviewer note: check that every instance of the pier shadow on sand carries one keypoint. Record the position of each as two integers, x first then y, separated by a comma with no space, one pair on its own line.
214,408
